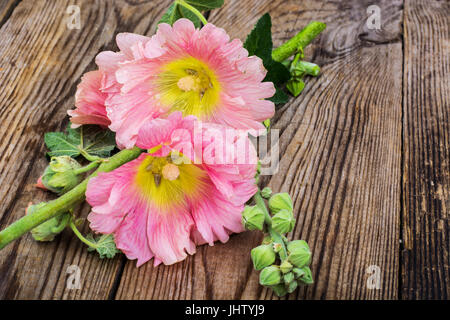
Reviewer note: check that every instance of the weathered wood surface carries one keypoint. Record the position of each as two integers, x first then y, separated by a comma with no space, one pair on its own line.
364,151
426,171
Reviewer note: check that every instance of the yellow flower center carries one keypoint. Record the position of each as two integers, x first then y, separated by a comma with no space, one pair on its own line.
166,183
190,86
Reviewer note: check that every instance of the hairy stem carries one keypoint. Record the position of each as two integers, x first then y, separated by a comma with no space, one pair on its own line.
80,236
300,40
276,237
87,168
65,202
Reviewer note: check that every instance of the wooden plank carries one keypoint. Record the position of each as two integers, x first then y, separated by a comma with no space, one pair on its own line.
41,62
341,160
426,169
6,9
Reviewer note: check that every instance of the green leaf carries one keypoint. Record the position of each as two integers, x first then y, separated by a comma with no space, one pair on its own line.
279,97
204,5
105,245
259,43
90,141
176,11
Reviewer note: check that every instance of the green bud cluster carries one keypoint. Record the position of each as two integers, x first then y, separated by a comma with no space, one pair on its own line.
61,175
284,264
291,272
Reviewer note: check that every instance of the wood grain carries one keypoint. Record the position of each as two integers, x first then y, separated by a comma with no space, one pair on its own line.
426,170
41,62
340,159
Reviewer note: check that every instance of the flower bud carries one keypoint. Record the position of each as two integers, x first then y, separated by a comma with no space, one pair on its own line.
263,256
280,201
267,240
295,86
292,286
298,272
270,276
253,218
285,266
306,278
295,245
266,192
60,175
288,278
279,289
49,229
283,221
299,253
277,247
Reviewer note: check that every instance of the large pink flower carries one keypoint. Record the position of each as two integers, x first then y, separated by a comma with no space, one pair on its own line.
199,72
190,188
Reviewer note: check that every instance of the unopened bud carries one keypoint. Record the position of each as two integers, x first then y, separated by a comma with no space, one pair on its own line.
279,289
266,192
267,240
299,253
295,86
277,247
279,202
49,229
292,286
283,221
288,278
298,272
253,218
60,175
285,266
263,256
270,276
307,277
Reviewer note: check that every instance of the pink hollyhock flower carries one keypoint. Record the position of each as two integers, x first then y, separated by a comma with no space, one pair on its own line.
90,102
188,189
199,72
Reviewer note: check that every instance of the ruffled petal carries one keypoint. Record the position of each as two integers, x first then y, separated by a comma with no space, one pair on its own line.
90,101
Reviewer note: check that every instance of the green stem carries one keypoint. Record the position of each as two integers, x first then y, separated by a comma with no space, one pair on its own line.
193,10
300,40
276,237
80,236
65,202
87,168
87,156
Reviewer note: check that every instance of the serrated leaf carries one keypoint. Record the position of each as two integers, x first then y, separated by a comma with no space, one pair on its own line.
259,43
89,139
105,245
